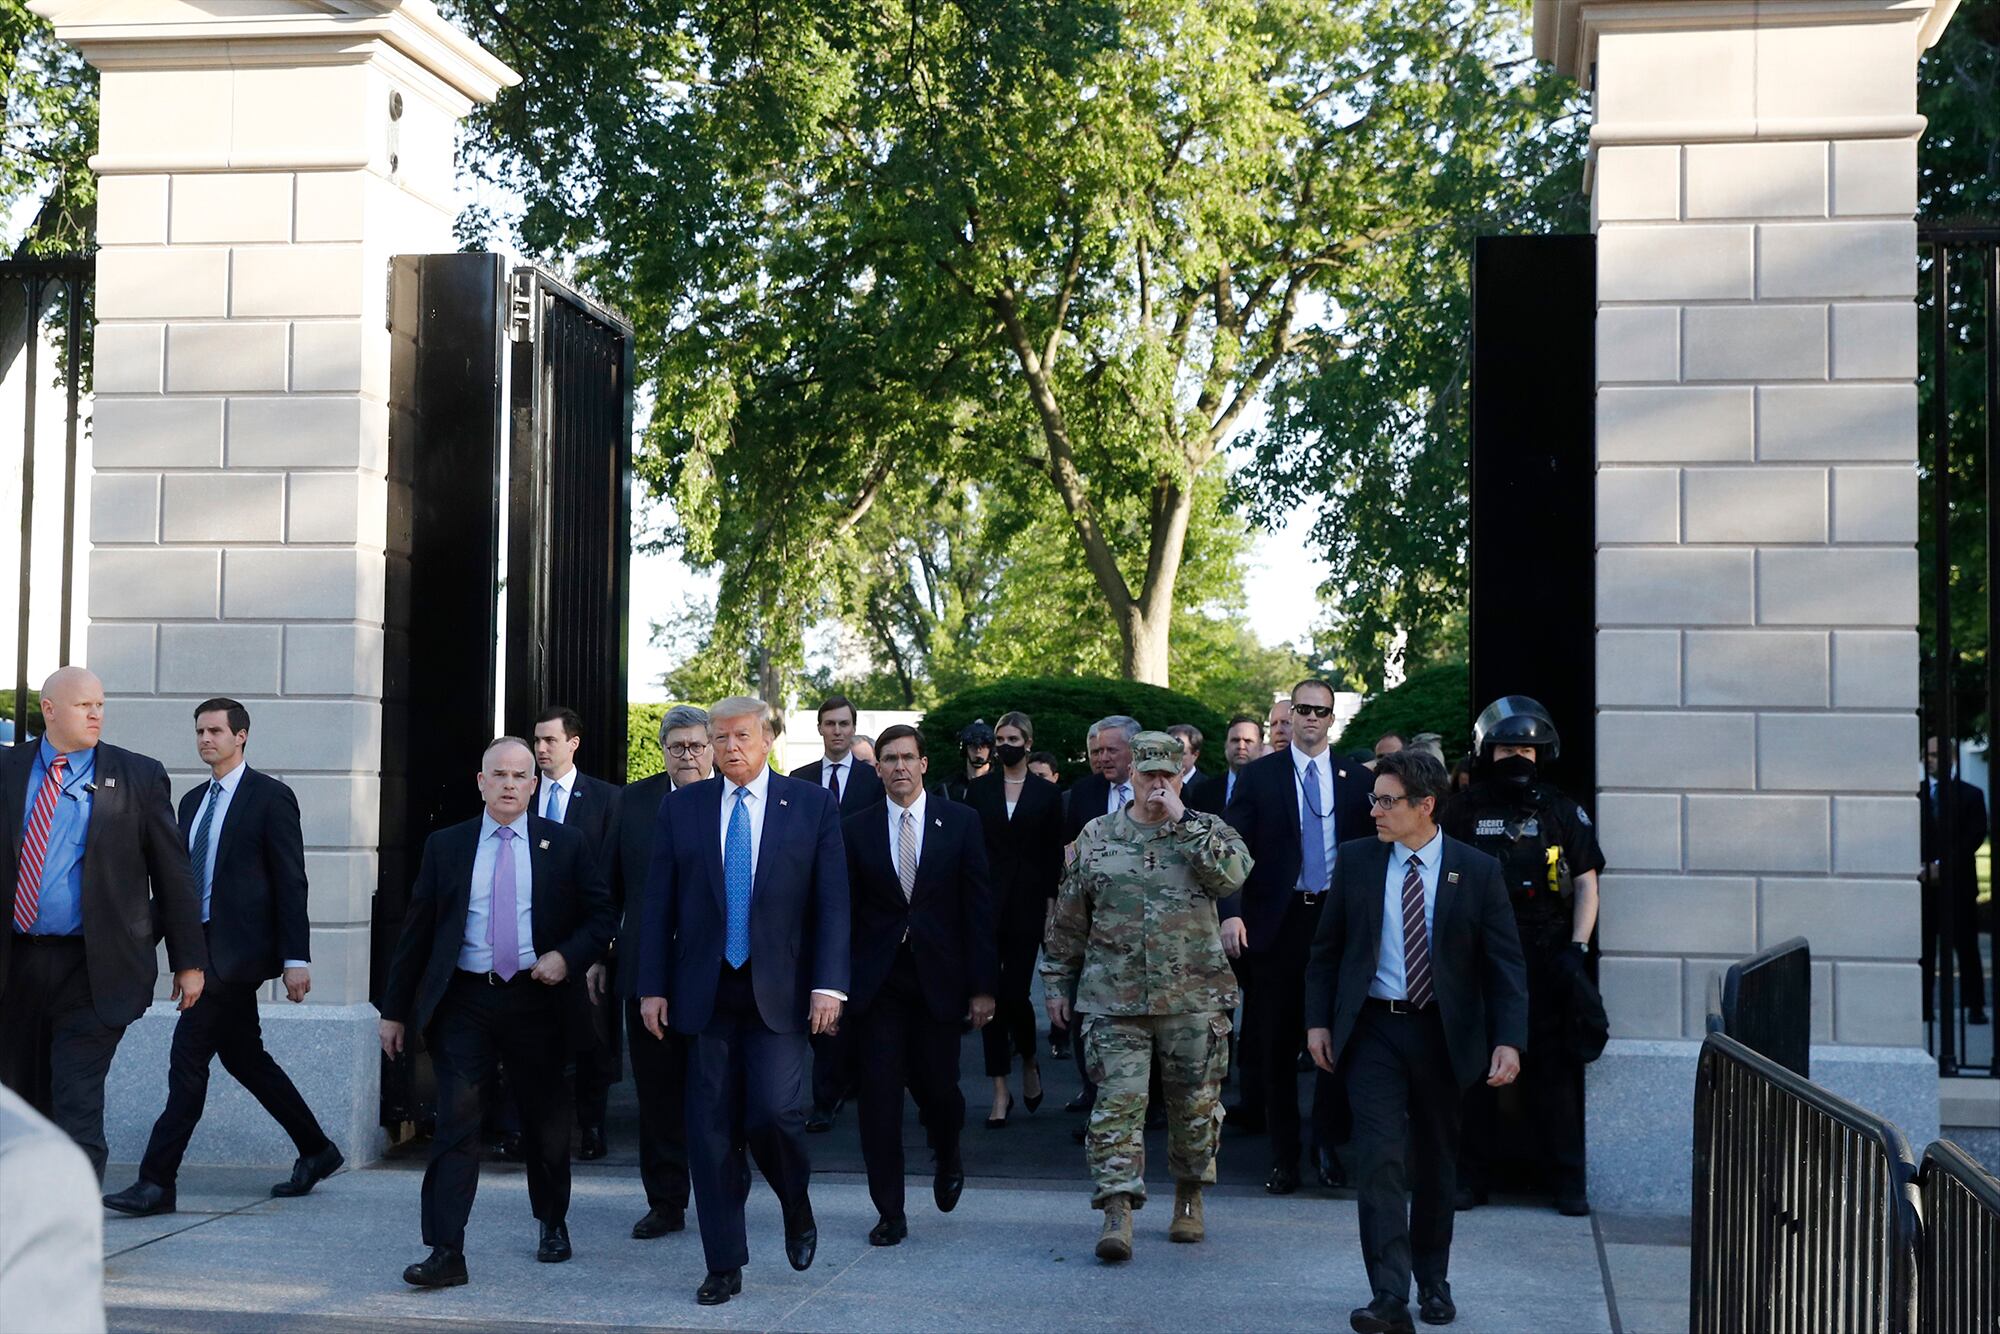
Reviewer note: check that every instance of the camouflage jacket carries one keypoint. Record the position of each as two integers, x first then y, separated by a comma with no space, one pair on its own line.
1135,929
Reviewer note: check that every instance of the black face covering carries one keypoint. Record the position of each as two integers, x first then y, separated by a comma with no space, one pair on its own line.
1009,756
1516,769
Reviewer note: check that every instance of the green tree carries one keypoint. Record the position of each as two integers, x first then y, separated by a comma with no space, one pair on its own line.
1051,245
50,97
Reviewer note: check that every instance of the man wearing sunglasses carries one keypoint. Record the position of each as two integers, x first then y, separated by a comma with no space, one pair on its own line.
1294,807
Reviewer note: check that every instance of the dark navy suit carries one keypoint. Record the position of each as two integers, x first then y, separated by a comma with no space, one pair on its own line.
747,1065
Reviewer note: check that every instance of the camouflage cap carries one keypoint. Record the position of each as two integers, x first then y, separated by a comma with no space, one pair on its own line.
1157,753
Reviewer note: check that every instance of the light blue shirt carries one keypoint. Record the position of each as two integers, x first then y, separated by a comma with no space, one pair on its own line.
1317,770
475,952
220,800
59,910
1388,983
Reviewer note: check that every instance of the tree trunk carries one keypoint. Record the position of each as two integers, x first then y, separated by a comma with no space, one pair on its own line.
1144,643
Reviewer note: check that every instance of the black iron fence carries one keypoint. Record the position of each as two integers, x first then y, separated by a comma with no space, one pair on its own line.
1958,1254
1959,381
36,296
1805,1205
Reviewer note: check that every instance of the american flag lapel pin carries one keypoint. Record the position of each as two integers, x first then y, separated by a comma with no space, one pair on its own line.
1451,876
938,823
545,848
111,782
783,801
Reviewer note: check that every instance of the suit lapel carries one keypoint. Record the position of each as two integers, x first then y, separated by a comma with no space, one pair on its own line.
14,791
241,806
541,895
109,776
708,813
777,824
1447,892
1374,879
927,860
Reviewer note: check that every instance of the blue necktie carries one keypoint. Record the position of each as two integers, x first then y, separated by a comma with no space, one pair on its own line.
736,882
1312,834
554,813
199,853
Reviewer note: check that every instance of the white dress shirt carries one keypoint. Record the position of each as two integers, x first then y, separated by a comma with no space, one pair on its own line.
916,809
220,800
1388,983
755,806
1318,770
1115,799
843,767
475,952
568,785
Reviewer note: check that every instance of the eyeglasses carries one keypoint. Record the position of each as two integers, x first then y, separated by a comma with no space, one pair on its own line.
1312,710
1382,801
682,750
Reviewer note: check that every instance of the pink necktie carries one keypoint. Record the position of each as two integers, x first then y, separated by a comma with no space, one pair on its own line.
501,910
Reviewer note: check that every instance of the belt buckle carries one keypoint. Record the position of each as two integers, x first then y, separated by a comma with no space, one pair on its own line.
1312,899
494,979
1400,1007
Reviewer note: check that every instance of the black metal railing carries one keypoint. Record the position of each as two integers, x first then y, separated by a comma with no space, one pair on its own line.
1958,1256
34,292
1805,1206
1765,1003
1960,380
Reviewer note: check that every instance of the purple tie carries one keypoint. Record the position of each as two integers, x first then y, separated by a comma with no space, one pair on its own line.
500,910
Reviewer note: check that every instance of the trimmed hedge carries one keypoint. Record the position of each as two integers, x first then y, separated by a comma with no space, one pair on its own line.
1063,708
1436,699
642,740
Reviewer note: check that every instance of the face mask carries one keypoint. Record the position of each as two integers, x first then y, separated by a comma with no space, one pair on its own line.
1517,769
1009,756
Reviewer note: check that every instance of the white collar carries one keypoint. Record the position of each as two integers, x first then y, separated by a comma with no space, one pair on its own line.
567,782
827,761
231,780
915,808
1302,760
756,787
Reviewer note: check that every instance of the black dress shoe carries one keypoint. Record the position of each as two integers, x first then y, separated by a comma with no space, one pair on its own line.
1467,1197
1080,1103
718,1288
801,1238
1434,1304
442,1268
1573,1205
947,1186
819,1120
888,1232
1976,1017
510,1147
141,1199
1384,1315
590,1144
555,1244
659,1222
1282,1181
1331,1174
308,1172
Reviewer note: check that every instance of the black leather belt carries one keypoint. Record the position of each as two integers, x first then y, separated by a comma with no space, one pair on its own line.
25,938
493,979
1399,1006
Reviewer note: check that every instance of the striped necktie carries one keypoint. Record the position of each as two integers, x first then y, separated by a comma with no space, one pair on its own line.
35,846
1416,937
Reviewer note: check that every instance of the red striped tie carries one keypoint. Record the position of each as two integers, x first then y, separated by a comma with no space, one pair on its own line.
1416,939
35,846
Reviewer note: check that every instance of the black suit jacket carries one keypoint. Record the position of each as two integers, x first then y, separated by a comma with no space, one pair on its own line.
592,811
1024,853
1206,792
1265,810
571,912
799,938
257,902
1085,801
1968,831
1477,972
638,808
949,916
860,784
137,884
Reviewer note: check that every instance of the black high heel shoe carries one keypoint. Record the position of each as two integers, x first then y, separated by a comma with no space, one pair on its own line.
1032,1100
1000,1122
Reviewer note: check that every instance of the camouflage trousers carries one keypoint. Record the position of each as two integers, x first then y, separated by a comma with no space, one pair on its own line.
1119,1052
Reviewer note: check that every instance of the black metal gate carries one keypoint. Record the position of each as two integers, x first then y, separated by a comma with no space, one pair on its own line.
569,487
36,295
500,382
1960,383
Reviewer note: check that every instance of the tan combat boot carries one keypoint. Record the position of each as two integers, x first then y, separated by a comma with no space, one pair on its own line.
1187,1224
1115,1242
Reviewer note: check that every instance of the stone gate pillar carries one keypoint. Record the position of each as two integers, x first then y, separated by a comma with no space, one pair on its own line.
258,164
1754,172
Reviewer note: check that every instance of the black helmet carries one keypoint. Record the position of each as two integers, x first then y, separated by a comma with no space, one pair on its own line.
1516,720
976,733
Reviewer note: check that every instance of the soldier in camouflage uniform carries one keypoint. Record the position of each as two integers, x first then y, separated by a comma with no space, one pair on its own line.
1135,938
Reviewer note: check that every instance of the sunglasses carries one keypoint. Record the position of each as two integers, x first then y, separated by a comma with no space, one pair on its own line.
1312,710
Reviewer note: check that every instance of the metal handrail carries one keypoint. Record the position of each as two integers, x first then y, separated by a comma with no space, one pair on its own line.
1805,1205
1958,1256
1766,1003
